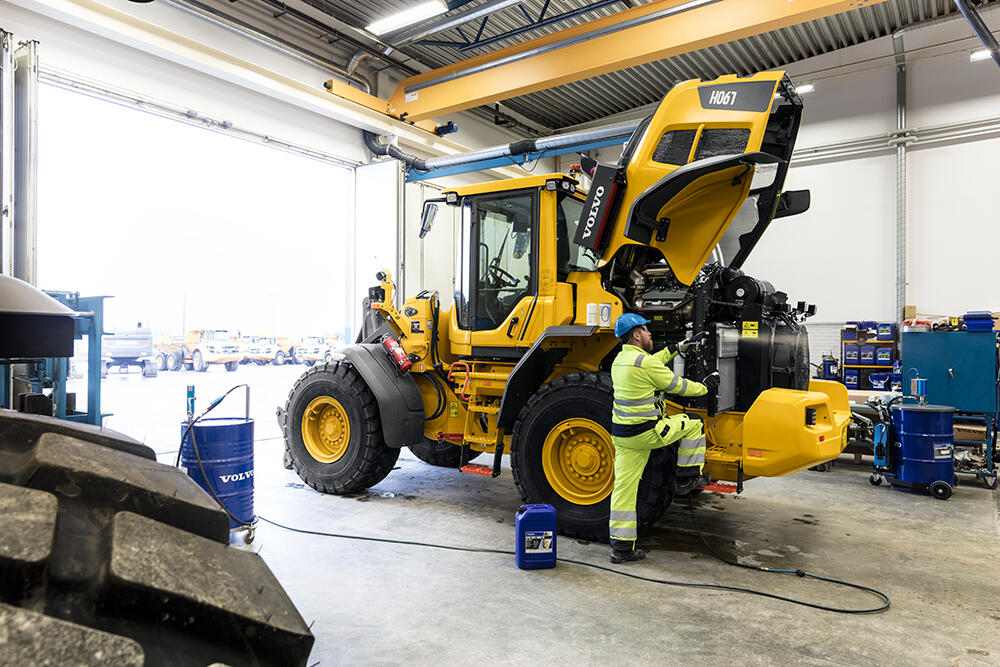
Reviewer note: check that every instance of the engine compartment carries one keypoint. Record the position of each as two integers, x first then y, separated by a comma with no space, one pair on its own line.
756,339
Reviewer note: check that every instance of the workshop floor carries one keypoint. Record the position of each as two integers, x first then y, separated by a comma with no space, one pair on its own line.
377,603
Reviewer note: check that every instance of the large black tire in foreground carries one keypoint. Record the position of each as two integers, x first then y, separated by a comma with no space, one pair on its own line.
333,434
441,453
562,454
111,558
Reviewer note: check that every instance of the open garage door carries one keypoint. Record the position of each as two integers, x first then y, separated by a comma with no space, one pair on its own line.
376,236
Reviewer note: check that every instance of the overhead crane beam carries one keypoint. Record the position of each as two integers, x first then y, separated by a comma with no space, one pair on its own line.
632,37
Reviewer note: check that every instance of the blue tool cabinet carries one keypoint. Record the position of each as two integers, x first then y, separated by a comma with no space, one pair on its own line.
962,369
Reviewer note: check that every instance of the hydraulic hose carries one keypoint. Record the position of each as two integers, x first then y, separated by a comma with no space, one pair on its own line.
378,148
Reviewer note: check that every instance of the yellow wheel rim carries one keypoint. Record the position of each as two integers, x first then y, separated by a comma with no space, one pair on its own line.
578,458
326,431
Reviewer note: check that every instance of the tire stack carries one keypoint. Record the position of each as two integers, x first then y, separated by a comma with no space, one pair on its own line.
111,558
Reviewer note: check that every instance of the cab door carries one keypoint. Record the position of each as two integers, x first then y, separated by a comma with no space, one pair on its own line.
495,278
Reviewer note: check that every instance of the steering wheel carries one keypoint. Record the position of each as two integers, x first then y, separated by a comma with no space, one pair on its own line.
500,277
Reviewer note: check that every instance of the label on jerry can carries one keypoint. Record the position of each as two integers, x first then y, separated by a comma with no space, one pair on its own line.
538,541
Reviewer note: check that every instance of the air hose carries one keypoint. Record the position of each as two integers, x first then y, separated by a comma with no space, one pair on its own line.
197,455
667,582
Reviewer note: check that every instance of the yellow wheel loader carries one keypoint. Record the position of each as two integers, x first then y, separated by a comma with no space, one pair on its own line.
517,362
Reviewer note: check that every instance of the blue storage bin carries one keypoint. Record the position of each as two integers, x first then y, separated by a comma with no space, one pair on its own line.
851,377
886,331
883,356
879,381
851,357
867,355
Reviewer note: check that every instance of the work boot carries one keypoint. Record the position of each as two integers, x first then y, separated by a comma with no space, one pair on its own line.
626,555
689,483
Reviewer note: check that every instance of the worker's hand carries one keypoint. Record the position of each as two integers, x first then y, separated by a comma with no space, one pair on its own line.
692,342
711,381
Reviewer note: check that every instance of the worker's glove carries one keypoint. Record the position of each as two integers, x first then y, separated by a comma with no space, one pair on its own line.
711,381
692,342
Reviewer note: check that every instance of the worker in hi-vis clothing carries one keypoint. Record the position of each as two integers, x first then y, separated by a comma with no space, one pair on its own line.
639,426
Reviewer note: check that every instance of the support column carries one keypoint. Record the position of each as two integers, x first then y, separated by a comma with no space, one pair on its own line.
901,140
6,153
25,219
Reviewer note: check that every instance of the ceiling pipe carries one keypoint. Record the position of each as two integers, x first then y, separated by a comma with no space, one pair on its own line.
623,130
968,9
233,24
409,35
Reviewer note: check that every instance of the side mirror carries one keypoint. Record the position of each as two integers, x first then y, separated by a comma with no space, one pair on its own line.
792,202
427,217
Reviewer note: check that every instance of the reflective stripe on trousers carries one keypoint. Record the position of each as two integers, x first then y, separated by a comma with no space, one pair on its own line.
691,452
631,455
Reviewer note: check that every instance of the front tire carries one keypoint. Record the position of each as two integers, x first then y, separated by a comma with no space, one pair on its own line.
441,453
333,433
279,358
562,454
232,365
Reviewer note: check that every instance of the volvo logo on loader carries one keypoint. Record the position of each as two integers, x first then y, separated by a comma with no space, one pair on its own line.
592,218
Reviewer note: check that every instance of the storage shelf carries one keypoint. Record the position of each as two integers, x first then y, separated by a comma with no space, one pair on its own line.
888,368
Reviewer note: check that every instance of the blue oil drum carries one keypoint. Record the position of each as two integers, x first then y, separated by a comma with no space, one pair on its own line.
923,451
535,527
225,446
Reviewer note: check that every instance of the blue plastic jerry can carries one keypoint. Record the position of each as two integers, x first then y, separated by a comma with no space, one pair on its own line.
535,528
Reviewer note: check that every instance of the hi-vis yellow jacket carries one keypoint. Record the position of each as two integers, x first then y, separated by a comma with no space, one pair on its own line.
637,376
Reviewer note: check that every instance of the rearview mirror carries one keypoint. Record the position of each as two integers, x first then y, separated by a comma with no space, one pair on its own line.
792,202
427,217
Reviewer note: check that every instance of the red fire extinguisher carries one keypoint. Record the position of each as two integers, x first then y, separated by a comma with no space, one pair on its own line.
397,354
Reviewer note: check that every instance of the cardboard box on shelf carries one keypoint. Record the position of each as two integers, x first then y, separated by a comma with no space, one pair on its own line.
970,432
909,312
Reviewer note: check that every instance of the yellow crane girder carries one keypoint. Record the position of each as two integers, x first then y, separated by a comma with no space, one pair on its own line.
632,37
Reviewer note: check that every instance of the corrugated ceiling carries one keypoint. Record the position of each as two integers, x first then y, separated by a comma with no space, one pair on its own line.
621,91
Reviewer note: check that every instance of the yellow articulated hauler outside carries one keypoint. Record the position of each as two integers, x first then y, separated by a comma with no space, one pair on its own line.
517,362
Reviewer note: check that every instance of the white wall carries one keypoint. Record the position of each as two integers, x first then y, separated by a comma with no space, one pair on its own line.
841,253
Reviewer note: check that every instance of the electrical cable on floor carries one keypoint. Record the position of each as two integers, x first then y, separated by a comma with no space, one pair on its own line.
667,582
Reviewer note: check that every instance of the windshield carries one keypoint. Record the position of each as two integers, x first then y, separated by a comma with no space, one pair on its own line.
220,335
570,257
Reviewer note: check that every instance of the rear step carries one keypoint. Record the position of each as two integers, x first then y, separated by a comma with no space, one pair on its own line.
474,469
721,487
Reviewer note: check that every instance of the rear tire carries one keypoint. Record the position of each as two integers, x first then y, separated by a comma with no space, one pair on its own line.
174,361
198,362
85,514
342,450
279,358
442,453
148,369
578,399
161,361
232,365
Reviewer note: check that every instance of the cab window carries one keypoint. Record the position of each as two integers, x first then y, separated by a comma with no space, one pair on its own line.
503,229
570,256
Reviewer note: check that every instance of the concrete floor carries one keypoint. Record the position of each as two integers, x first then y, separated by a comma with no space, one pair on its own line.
374,603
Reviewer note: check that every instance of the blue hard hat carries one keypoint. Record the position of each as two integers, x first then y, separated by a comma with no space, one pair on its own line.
627,322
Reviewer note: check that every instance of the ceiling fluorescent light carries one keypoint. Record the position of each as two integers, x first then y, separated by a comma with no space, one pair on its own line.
407,17
981,54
